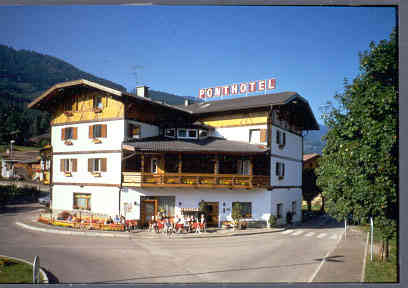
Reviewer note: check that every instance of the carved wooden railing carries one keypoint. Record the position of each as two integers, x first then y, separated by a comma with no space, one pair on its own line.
198,180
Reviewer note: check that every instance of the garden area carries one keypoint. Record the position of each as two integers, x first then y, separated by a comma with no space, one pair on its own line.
15,272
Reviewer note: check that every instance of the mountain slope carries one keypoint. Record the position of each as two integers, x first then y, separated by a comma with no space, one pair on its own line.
312,141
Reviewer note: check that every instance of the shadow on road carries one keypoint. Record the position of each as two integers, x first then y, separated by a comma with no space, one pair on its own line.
205,273
20,208
51,277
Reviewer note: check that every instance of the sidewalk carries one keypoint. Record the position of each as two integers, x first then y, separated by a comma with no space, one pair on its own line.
345,263
29,221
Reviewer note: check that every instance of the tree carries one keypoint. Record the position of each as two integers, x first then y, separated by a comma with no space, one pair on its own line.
309,188
358,169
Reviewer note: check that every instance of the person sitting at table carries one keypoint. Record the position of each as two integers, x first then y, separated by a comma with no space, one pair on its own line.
109,220
116,220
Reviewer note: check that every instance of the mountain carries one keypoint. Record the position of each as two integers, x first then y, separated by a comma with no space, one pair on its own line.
24,75
312,141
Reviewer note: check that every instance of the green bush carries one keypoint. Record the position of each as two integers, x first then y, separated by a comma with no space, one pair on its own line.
272,221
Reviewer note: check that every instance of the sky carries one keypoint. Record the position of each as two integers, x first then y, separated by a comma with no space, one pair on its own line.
180,49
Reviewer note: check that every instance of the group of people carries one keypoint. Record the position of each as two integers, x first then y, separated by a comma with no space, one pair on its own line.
116,220
179,224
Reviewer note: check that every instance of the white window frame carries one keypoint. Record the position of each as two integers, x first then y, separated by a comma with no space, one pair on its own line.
154,165
280,169
94,128
244,167
280,138
97,162
66,134
170,129
187,130
97,105
201,131
69,162
250,136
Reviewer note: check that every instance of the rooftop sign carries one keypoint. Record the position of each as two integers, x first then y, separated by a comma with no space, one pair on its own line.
235,89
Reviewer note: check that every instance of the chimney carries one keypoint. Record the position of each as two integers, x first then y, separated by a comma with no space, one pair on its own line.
186,102
142,91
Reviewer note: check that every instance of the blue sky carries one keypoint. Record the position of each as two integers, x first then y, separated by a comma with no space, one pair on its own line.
179,50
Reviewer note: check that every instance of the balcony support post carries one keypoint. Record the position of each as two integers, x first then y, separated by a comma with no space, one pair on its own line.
251,170
180,166
216,168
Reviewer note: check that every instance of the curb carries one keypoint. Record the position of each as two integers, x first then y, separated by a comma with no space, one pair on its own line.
129,235
365,258
44,275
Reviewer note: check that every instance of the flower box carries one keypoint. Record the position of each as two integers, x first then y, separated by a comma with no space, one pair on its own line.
68,142
97,110
68,113
68,174
96,141
96,174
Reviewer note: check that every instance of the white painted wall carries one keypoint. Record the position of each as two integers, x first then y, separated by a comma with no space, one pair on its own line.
146,130
5,173
286,196
293,147
236,133
190,198
104,200
113,141
111,176
293,173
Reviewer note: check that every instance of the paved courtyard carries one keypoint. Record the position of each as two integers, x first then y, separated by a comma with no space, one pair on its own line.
293,255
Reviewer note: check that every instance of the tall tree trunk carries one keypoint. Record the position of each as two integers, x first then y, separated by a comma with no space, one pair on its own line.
387,249
322,207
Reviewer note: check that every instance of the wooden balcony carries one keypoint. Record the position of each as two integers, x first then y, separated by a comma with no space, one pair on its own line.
232,181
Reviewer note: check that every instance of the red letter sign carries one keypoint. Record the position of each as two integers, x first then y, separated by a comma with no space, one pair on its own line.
234,89
217,92
271,84
252,87
243,88
261,85
202,94
225,90
209,92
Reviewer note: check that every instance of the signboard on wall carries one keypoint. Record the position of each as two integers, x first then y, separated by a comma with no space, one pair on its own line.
236,89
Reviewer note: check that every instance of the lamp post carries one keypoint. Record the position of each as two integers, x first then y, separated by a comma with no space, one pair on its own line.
11,157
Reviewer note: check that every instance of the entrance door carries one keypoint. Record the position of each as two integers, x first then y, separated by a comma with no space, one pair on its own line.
212,214
148,210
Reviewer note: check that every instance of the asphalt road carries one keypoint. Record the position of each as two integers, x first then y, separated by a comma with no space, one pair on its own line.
290,256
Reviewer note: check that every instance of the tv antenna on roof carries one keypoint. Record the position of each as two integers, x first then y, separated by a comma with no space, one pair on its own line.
135,72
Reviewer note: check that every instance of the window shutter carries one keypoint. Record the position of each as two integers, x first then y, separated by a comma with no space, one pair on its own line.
277,169
91,131
103,160
284,139
283,169
75,133
263,135
277,137
63,134
74,165
104,131
90,165
62,168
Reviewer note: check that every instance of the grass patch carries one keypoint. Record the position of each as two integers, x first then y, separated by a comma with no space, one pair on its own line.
377,270
15,272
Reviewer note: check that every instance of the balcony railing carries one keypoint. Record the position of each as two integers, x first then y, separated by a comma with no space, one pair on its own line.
139,179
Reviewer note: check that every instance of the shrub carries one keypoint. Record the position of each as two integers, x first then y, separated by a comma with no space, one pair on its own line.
272,221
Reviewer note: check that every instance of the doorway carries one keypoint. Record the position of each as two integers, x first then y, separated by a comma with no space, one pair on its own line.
148,211
212,214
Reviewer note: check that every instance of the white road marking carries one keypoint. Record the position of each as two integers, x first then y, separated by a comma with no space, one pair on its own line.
321,235
298,233
287,231
309,234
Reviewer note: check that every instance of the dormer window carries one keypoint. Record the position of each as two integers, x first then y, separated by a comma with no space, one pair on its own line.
187,133
170,132
182,133
133,131
203,134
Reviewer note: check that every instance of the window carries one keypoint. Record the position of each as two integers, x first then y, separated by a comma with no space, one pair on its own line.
255,136
203,134
280,138
96,165
182,133
98,131
293,207
97,102
153,164
280,169
68,165
133,131
170,132
245,208
243,167
82,201
69,133
262,135
192,133
279,210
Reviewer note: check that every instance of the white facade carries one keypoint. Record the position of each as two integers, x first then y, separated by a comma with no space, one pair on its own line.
242,133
